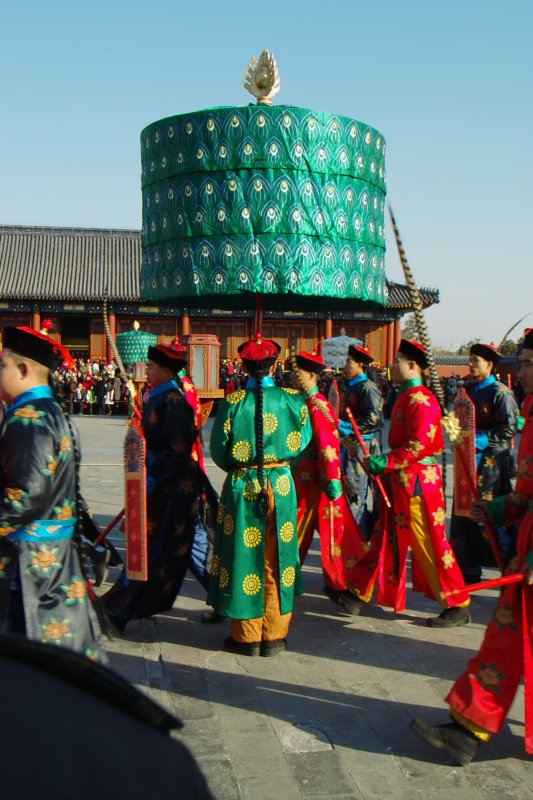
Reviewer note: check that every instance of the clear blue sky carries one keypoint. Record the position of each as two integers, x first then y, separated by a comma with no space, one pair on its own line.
448,84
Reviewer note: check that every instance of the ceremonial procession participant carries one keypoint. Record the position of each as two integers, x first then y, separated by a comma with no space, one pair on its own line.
43,590
255,567
482,696
364,399
496,424
417,519
201,549
322,503
174,479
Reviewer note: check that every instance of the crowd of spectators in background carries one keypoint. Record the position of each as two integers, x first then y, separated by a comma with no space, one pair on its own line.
93,387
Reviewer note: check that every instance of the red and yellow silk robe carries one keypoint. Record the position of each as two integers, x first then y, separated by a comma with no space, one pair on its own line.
322,503
191,396
483,694
417,519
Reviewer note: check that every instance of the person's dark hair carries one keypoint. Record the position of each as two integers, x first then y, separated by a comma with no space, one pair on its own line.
259,437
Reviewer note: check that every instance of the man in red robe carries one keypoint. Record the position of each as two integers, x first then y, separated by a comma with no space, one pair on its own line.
418,514
322,503
482,695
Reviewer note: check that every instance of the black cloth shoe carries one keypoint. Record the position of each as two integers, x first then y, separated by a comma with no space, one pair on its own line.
348,601
212,618
273,647
241,648
460,744
450,618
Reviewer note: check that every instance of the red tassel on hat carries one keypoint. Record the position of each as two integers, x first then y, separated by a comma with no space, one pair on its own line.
258,348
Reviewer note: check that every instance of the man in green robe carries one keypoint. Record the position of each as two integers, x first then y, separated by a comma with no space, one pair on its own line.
255,570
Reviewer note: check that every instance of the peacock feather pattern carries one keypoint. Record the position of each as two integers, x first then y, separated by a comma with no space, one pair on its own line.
263,199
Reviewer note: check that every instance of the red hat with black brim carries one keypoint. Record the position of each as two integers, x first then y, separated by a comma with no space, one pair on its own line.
258,353
528,339
38,346
486,351
311,362
360,354
414,351
171,356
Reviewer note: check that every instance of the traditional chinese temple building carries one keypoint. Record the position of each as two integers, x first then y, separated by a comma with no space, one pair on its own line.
63,274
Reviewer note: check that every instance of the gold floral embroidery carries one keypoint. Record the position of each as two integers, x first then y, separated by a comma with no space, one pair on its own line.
236,397
252,536
294,441
420,398
228,525
270,423
283,485
215,565
251,584
403,477
415,446
252,490
439,516
223,578
286,532
329,453
289,390
242,451
288,576
448,559
227,426
430,475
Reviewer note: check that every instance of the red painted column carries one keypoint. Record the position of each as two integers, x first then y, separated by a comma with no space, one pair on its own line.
390,343
185,323
397,334
36,320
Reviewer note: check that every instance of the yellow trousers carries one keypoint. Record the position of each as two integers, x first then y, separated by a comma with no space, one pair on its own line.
272,625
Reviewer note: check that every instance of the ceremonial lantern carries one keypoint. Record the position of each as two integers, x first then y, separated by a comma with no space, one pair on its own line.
263,206
203,361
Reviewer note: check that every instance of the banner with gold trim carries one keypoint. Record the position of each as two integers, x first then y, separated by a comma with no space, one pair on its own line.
136,525
463,494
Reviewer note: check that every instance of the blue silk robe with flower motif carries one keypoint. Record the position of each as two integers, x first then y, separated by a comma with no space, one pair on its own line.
37,521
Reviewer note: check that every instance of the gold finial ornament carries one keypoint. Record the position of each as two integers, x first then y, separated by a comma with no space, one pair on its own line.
262,78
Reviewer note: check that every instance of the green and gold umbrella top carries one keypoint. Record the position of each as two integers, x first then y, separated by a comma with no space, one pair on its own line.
133,345
276,200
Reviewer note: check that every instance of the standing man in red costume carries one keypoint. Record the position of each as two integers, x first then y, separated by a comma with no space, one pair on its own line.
364,399
481,697
322,504
418,515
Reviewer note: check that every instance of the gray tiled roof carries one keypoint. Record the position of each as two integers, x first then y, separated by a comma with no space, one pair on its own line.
399,296
38,263
69,263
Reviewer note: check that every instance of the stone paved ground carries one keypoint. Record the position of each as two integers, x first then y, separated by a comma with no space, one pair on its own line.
330,717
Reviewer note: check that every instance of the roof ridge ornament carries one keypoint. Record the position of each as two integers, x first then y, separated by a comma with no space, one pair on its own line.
261,78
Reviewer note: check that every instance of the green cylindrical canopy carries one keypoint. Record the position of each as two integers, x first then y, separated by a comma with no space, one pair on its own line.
263,199
133,345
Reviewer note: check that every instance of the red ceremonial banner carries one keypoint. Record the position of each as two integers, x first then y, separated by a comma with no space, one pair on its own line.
466,460
135,503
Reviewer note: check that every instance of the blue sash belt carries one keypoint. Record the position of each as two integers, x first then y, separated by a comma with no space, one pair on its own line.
44,530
